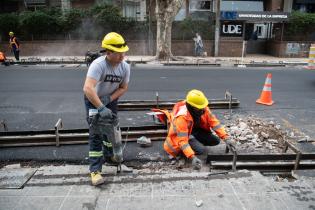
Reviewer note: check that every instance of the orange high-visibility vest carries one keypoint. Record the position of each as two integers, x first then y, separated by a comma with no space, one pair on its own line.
14,43
180,127
2,56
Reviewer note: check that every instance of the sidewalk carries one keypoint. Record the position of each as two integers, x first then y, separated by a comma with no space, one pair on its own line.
250,60
68,187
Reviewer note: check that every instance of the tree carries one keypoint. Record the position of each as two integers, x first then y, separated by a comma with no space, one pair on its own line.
165,10
38,23
8,22
301,23
72,19
110,18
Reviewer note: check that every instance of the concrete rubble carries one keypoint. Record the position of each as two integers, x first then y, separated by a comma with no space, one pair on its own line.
144,141
254,134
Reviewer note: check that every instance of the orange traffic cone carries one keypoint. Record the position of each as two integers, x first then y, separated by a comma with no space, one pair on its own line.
266,95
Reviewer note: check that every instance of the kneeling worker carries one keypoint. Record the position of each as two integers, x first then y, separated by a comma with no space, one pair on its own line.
190,128
3,59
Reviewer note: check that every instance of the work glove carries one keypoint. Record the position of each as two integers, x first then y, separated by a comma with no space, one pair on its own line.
105,112
114,119
231,143
106,99
196,162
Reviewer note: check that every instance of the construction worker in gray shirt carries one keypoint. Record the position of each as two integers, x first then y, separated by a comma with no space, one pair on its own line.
107,79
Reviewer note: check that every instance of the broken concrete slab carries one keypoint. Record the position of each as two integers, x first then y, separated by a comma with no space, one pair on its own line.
15,178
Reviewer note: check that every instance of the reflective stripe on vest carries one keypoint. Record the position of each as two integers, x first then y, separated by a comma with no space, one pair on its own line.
174,126
185,146
217,127
179,134
170,146
182,134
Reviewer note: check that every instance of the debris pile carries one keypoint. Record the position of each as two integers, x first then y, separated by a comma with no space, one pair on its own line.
253,134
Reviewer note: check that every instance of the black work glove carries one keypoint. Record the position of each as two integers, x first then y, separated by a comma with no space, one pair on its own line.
196,162
105,112
106,99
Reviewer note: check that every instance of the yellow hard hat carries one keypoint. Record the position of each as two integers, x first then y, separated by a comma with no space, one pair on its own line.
115,42
11,33
197,99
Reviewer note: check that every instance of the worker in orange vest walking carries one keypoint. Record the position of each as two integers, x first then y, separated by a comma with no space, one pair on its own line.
15,45
190,128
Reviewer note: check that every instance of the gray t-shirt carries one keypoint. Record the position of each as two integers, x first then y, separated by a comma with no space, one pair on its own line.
109,78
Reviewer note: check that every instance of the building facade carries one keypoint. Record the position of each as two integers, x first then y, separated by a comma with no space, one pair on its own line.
257,23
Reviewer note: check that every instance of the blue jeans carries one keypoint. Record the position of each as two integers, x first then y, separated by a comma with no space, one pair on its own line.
100,147
198,50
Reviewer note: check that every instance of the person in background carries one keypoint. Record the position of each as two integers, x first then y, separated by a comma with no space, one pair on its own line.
198,45
14,45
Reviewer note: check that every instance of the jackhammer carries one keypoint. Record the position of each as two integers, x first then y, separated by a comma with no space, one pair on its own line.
91,56
110,127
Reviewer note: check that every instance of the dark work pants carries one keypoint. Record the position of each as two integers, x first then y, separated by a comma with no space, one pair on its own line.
99,144
202,138
16,54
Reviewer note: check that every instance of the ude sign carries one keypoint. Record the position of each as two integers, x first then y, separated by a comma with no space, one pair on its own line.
231,29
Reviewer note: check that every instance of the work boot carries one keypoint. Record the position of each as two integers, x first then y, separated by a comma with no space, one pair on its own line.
97,178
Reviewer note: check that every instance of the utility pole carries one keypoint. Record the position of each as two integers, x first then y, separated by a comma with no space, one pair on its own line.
150,35
217,29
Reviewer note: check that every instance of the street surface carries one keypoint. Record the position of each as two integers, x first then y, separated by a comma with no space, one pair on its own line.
34,97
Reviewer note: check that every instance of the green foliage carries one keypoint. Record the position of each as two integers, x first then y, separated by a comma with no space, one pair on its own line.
110,19
53,11
38,22
8,22
72,19
188,27
91,23
301,23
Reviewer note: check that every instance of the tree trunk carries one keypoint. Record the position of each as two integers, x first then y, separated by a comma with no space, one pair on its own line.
166,10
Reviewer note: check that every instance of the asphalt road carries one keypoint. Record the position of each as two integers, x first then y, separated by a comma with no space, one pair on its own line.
34,97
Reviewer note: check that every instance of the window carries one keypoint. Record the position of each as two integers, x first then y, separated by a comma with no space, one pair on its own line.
197,5
253,5
132,10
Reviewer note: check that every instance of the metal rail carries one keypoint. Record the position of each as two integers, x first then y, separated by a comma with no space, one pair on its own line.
66,137
136,105
234,160
281,160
